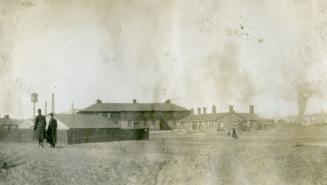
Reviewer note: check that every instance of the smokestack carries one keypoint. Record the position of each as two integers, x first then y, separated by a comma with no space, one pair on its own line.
199,110
134,101
213,108
302,102
45,108
204,110
53,103
251,109
231,108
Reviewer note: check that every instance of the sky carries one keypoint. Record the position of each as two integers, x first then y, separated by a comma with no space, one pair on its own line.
271,54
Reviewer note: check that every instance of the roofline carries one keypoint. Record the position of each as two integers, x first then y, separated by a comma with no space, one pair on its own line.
225,114
106,111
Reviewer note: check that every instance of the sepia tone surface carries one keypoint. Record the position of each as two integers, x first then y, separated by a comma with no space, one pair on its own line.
149,57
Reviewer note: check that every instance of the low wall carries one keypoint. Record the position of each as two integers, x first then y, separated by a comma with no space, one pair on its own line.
80,135
26,136
92,135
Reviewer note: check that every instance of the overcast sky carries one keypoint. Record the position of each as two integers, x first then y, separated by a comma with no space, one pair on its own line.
196,53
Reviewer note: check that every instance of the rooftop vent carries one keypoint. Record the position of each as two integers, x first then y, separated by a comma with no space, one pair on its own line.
231,108
251,108
213,108
204,110
6,116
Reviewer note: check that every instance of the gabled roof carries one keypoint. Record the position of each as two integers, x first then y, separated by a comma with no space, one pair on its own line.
218,116
133,107
85,121
29,124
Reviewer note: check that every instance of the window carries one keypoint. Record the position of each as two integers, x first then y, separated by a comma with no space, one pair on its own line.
108,115
129,124
137,125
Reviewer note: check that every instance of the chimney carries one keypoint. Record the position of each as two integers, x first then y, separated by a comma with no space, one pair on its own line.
251,107
99,101
192,111
199,110
204,110
134,101
45,108
53,103
6,116
213,108
231,108
168,101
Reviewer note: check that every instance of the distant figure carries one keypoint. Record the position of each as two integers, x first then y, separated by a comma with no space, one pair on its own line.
39,127
52,131
234,134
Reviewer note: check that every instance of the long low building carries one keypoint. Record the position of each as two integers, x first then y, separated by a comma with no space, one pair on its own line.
79,128
155,116
222,121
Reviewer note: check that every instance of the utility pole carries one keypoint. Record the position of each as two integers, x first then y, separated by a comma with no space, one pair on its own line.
53,103
45,108
73,110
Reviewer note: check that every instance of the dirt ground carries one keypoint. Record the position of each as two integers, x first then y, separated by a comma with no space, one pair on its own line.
282,156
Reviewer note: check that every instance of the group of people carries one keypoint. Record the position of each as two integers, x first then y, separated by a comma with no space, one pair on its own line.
40,131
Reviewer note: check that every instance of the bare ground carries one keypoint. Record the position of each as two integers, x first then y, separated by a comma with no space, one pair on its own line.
284,156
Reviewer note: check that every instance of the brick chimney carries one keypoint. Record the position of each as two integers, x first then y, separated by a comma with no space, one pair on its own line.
199,110
168,101
99,101
192,111
6,116
134,101
231,108
213,108
204,110
251,109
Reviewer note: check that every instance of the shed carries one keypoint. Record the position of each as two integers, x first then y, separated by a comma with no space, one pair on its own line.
6,127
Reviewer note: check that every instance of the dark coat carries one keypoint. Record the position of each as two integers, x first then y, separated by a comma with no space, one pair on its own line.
39,127
234,134
52,131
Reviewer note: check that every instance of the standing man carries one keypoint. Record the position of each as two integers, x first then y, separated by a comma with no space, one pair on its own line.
52,131
39,127
234,134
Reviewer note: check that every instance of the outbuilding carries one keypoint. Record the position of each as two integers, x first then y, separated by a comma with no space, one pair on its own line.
78,128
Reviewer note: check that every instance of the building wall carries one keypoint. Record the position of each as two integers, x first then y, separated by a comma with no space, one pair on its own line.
151,124
152,120
223,124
